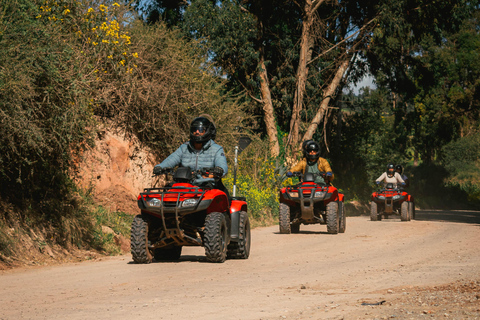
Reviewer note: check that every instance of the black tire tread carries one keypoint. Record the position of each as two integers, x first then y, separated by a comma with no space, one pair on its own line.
374,211
284,219
343,218
404,214
139,240
241,248
332,218
215,237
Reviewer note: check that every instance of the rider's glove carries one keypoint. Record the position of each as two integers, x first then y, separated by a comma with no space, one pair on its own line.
329,174
289,174
378,182
403,184
218,172
157,170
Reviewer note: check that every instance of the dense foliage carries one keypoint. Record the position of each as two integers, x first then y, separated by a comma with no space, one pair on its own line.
67,65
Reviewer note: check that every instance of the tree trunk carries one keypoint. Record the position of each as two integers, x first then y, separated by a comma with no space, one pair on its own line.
270,122
306,45
327,96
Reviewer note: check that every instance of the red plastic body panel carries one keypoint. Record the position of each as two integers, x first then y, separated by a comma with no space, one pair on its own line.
238,205
306,186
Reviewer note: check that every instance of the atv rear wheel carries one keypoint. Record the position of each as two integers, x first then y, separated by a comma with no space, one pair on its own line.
241,249
374,212
404,216
284,219
165,254
139,240
215,238
295,228
332,218
342,220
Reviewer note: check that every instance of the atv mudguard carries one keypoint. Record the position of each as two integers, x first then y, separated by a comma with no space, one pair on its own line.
237,205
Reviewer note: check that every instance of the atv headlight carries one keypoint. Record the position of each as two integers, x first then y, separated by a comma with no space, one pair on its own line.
189,203
154,202
293,194
320,194
396,197
381,198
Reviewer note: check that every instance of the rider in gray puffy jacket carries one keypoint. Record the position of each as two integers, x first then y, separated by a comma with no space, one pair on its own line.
198,153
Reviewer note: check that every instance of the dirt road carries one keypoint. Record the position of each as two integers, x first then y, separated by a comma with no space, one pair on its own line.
428,268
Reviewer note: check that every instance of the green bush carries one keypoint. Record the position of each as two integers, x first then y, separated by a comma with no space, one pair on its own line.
461,160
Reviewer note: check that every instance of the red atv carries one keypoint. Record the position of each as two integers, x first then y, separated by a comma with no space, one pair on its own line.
390,201
183,214
308,203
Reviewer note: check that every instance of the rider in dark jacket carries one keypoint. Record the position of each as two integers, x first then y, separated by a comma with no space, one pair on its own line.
199,153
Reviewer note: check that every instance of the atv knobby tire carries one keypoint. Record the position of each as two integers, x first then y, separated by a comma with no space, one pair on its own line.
411,209
284,219
295,228
343,219
215,237
241,248
404,214
139,240
332,217
166,254
374,212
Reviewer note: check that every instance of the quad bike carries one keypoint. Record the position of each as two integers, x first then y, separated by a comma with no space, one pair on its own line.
309,203
392,201
184,214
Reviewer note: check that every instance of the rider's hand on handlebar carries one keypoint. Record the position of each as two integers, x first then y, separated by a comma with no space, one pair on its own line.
216,172
157,170
289,174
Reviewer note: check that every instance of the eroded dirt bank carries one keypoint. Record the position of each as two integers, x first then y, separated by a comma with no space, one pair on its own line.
428,268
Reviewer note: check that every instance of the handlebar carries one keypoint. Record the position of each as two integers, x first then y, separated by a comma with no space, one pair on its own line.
301,175
217,172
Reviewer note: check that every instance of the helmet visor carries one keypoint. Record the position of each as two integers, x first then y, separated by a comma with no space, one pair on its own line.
198,127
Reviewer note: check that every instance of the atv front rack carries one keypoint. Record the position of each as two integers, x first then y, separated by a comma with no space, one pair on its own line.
176,207
307,196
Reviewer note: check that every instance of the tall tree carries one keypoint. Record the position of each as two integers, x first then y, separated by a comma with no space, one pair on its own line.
294,57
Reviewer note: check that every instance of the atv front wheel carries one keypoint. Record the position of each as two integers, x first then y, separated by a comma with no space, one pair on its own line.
284,219
215,239
342,220
374,212
404,216
411,209
165,254
139,240
241,249
332,218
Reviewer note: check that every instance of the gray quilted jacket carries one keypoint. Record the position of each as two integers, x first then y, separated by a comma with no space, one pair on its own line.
210,156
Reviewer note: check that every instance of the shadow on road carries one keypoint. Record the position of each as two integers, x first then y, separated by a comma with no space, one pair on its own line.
305,232
460,216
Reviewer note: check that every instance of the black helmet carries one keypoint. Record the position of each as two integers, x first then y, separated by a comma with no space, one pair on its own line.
203,125
309,146
399,168
390,170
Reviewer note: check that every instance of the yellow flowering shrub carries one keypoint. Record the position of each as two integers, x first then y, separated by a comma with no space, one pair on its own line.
262,191
103,40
